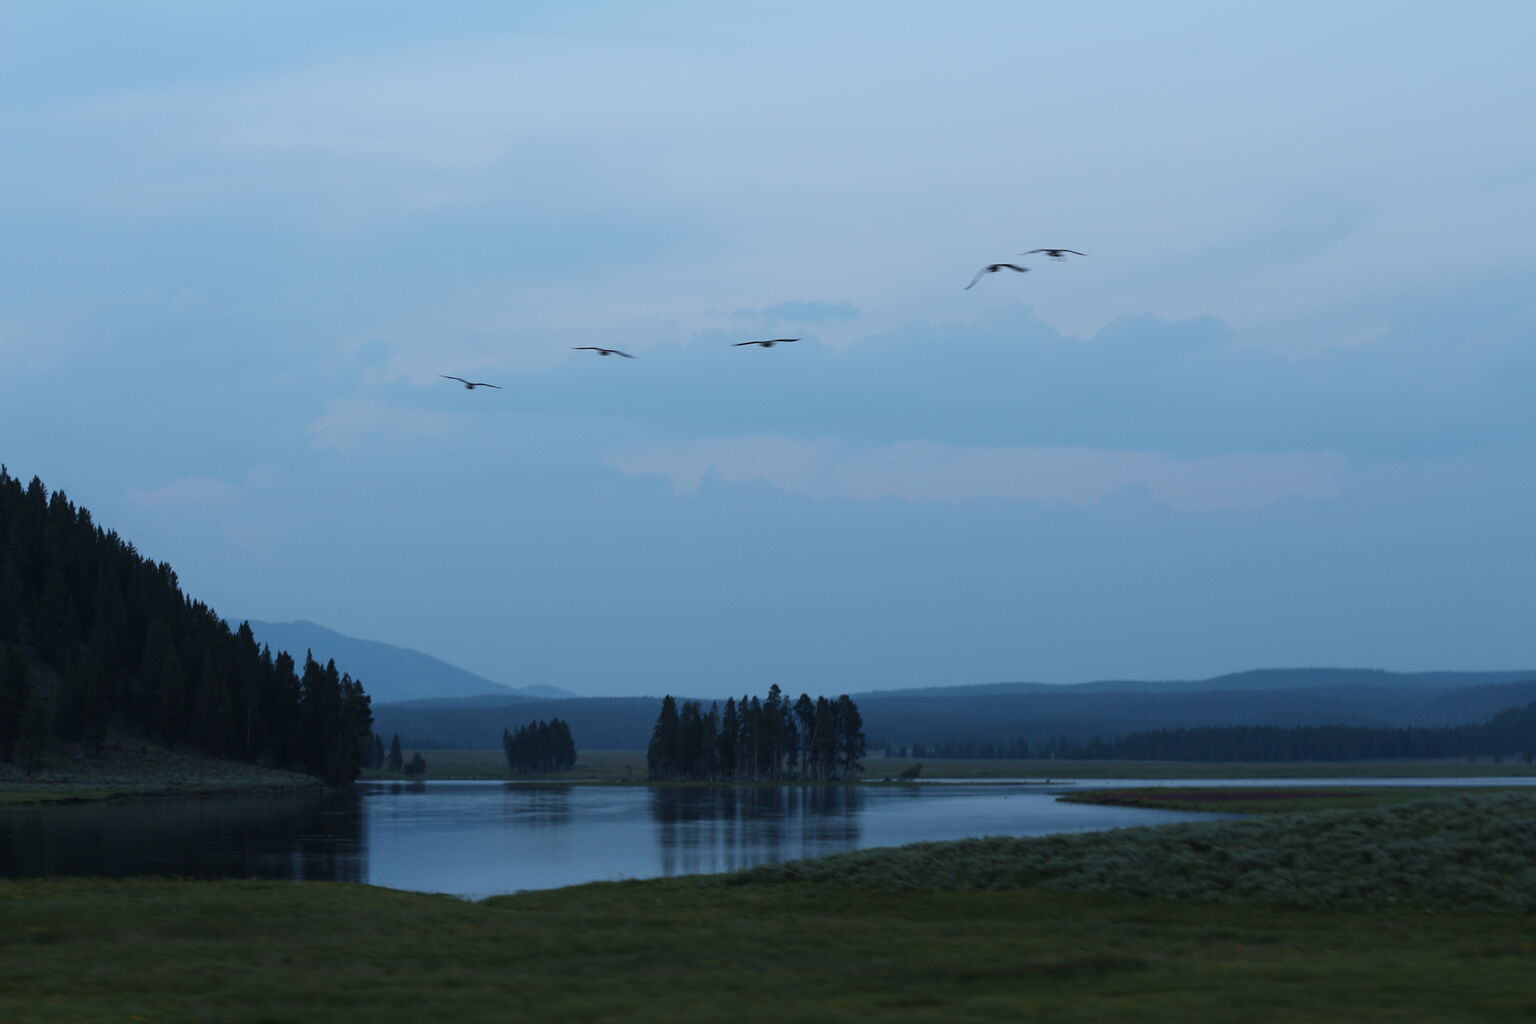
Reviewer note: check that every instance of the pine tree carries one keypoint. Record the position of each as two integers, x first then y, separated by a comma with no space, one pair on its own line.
850,737
396,759
15,693
661,757
32,735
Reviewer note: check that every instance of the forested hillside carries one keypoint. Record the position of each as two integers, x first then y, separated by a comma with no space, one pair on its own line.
95,637
393,673
1067,713
1510,733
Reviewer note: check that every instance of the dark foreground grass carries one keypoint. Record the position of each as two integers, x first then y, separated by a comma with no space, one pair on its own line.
940,932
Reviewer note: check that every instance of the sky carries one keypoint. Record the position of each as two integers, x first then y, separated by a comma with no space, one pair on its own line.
1281,414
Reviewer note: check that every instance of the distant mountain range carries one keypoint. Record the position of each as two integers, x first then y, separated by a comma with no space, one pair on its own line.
390,673
1253,679
1037,711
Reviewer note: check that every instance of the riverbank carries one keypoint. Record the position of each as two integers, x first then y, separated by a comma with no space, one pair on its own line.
137,770
620,767
1210,921
1261,799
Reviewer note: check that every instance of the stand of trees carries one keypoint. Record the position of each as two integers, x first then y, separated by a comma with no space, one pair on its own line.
1510,733
758,740
539,746
94,636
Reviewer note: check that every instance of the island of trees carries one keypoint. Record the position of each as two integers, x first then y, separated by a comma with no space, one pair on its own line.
93,637
754,739
539,747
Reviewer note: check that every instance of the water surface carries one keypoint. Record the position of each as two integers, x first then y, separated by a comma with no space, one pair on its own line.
480,838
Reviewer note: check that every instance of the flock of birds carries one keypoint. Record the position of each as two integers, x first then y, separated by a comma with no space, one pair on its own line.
1059,255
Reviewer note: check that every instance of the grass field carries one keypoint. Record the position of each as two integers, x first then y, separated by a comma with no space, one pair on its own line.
138,769
1258,799
614,767
1185,923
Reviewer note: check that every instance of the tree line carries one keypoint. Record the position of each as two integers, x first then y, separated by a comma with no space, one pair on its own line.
94,636
1510,733
757,739
539,746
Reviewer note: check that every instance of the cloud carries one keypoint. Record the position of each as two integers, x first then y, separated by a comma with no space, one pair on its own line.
926,472
192,491
350,421
814,312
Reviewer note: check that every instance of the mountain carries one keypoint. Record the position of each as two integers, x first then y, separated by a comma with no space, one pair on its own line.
99,645
1253,679
391,673
1038,711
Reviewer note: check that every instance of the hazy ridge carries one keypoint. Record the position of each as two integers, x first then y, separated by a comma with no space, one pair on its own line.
1039,712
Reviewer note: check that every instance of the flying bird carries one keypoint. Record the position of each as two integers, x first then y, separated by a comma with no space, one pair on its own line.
766,344
601,351
470,385
992,268
1055,254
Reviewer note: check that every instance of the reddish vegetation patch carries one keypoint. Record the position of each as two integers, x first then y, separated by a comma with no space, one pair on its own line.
1213,796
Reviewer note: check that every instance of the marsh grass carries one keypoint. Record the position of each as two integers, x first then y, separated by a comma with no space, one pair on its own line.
1284,918
1475,852
618,767
1257,799
962,768
700,949
131,768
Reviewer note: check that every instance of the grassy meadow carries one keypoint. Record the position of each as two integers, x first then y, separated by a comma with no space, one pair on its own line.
1423,912
132,768
1258,799
616,767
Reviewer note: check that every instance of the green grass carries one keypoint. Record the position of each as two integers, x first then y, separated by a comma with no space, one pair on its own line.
1053,929
616,767
1259,799
135,769
963,768
1470,852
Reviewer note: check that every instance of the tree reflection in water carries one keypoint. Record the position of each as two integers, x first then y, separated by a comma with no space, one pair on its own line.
530,804
309,837
707,829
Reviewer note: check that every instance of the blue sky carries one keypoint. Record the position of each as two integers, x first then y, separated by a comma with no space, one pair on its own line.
1280,415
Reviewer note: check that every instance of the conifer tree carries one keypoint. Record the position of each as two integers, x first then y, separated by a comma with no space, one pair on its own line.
15,693
661,756
32,735
396,759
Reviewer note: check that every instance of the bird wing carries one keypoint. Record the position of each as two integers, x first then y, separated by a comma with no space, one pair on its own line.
785,341
483,384
983,270
616,352
741,343
585,348
1010,266
448,376
1033,251
1074,252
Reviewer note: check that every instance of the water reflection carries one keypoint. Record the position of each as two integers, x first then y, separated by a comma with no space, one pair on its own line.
535,806
723,828
317,837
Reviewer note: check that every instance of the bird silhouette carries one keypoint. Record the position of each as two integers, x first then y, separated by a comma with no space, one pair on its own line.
766,344
1055,254
601,351
470,385
992,268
